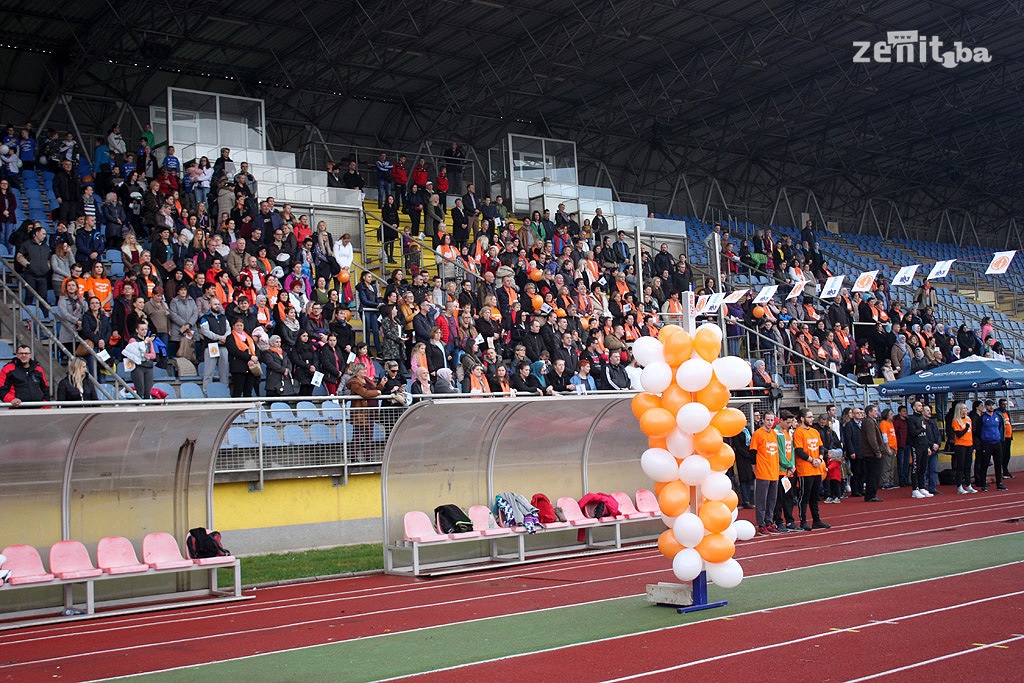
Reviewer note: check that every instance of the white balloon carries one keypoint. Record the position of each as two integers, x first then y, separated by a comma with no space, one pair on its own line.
656,377
744,529
648,350
736,514
694,374
693,418
687,564
726,574
688,529
730,533
694,470
42,161
715,330
680,444
4,149
732,371
670,522
659,465
716,486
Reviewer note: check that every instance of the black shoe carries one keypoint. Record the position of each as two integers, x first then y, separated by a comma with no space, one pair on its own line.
983,489
1007,475
876,499
793,527
805,527
935,492
782,529
821,525
1000,487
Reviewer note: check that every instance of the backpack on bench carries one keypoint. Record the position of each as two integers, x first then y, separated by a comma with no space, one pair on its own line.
452,520
202,543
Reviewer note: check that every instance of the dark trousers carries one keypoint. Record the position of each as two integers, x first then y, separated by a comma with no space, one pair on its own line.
243,384
903,465
857,476
920,464
1004,462
810,493
962,465
871,470
987,452
784,502
835,488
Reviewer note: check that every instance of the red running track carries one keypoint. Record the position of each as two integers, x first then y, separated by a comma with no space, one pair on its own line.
329,611
829,640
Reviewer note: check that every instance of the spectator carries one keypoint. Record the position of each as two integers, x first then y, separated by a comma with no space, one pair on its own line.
139,350
365,395
23,379
304,359
8,207
34,259
383,179
76,386
241,351
874,447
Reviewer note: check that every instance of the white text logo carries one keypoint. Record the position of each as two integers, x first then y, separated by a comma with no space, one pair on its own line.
907,47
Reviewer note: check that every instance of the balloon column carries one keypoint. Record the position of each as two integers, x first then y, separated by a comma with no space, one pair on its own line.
683,411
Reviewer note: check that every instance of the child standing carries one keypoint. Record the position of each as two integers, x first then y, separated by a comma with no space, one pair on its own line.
834,477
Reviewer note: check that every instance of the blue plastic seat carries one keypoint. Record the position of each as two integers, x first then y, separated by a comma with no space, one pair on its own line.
332,411
321,433
218,390
811,395
164,386
281,412
239,437
191,390
294,435
306,411
270,436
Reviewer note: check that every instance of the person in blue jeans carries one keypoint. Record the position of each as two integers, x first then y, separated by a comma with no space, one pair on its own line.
383,179
369,305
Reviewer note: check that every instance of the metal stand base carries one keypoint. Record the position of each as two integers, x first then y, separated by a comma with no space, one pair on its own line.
691,597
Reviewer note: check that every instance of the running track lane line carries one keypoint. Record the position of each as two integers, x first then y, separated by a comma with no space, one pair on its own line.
563,647
680,626
934,660
289,603
405,608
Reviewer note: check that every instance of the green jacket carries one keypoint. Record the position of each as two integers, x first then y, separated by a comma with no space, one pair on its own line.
786,459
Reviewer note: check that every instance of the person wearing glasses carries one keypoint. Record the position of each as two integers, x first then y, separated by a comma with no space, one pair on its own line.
23,379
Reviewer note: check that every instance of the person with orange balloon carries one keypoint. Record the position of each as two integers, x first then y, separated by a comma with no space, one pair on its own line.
811,468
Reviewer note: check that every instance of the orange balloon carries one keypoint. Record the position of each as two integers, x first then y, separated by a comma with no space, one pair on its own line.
348,315
723,459
658,486
758,311
678,348
716,516
538,301
674,398
731,501
714,395
343,276
667,331
657,442
675,498
707,441
707,344
536,275
657,422
716,548
644,401
668,545
560,313
729,421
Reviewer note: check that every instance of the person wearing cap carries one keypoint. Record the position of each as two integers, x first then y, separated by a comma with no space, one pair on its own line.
989,447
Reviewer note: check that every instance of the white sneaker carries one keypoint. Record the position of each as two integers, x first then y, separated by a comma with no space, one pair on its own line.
961,490
916,494
971,489
925,493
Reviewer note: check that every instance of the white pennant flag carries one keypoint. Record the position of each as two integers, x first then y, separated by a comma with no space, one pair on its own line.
766,294
832,287
702,302
714,303
1000,262
735,296
941,269
905,276
798,288
864,281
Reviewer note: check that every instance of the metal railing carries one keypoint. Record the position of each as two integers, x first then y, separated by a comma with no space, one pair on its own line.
40,327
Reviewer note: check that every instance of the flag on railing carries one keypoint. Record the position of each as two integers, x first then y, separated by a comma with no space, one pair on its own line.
798,288
832,287
905,277
941,269
864,281
766,294
1000,262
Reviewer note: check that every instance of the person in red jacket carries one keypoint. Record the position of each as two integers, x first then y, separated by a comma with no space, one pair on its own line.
420,175
400,177
442,185
23,379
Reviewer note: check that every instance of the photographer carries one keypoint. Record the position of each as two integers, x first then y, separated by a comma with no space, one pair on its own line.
139,351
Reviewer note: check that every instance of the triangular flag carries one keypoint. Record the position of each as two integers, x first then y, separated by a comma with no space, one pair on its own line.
941,269
798,288
766,294
832,287
735,296
1000,262
864,281
905,276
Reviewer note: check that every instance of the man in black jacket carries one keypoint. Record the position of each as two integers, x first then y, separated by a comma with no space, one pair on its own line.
534,340
471,206
852,450
873,449
917,437
23,379
34,257
67,191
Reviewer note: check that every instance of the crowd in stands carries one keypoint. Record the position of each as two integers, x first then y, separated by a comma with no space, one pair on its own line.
536,305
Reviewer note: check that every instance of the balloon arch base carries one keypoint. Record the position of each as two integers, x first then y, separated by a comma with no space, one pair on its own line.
684,597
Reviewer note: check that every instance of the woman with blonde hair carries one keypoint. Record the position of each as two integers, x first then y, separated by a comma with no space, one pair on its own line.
76,386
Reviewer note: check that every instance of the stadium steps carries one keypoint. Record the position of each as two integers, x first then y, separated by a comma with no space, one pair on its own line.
373,254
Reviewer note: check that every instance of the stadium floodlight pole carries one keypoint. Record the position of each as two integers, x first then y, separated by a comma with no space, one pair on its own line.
717,248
